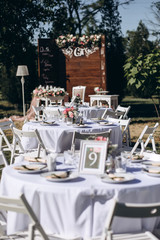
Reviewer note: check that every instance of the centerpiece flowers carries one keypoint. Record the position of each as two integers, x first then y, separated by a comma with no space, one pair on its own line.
70,113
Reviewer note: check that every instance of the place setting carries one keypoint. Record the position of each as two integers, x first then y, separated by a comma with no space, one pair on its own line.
116,170
105,123
30,168
60,176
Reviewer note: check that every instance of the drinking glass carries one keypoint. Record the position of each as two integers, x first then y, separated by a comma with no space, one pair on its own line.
120,164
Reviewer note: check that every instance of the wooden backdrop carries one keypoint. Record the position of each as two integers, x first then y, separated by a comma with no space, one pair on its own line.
72,71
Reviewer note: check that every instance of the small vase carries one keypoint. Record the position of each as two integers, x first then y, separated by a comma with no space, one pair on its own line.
69,121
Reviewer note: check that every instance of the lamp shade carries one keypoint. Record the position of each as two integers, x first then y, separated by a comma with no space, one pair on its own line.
22,70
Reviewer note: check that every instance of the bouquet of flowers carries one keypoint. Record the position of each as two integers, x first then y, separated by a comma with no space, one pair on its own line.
70,113
98,89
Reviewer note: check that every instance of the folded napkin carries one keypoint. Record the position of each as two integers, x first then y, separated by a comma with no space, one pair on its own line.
48,122
105,123
155,171
35,159
116,178
137,157
58,175
28,167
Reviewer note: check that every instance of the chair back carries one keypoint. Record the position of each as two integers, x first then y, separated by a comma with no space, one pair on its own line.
21,205
124,110
38,111
88,136
109,113
124,125
5,145
17,141
143,143
79,90
129,210
52,113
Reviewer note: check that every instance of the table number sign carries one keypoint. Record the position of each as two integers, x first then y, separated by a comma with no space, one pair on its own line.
92,156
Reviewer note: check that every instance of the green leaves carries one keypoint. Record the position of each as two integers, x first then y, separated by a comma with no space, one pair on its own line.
143,73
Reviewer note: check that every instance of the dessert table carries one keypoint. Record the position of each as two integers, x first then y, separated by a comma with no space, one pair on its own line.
112,100
80,206
58,136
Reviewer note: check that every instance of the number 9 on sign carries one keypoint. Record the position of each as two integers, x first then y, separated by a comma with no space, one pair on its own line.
93,158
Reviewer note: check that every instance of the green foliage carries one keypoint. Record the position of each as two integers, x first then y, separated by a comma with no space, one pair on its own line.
19,20
137,41
142,74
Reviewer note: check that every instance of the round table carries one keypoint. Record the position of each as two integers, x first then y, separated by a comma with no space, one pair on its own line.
80,206
59,136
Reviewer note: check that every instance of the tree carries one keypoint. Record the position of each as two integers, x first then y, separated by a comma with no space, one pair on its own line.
110,26
156,24
77,16
19,20
143,75
137,41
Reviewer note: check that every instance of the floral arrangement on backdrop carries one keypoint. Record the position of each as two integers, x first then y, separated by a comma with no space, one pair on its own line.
98,89
48,91
76,41
70,113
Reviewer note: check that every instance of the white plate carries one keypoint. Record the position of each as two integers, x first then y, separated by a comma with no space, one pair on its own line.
98,120
32,168
127,177
152,174
137,161
35,160
106,123
80,126
70,176
35,121
48,123
139,158
151,163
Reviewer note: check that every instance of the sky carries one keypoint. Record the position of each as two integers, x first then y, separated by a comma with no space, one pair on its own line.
134,12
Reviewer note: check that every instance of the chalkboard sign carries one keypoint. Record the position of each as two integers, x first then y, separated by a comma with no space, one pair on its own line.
47,62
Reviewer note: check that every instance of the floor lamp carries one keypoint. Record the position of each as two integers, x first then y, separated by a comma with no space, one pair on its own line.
22,71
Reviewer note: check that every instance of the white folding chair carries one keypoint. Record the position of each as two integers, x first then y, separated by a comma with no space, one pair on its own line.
53,113
124,110
109,113
18,148
38,112
88,136
124,124
21,205
147,131
35,230
5,145
130,210
79,90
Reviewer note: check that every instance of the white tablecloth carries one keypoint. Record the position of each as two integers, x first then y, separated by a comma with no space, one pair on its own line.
87,112
59,136
78,207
